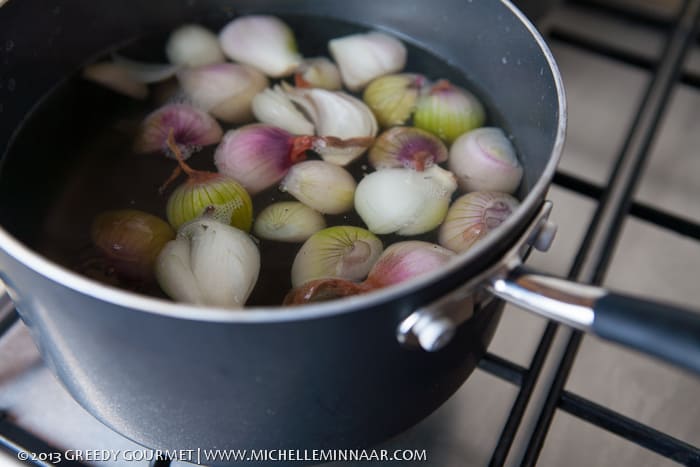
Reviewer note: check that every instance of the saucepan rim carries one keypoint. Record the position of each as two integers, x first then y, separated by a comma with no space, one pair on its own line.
141,303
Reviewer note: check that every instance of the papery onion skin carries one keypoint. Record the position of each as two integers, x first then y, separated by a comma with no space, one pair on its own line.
209,263
411,148
324,290
117,78
193,45
318,72
261,41
225,90
473,216
366,56
193,129
405,260
258,156
288,221
145,72
393,98
341,252
273,107
448,111
131,240
222,197
323,186
485,160
403,200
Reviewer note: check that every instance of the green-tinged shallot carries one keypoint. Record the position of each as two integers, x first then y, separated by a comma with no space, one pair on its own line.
473,216
130,241
264,42
273,107
323,186
337,115
364,57
194,45
403,200
407,147
448,111
342,252
225,90
393,98
209,263
217,195
318,72
484,160
288,221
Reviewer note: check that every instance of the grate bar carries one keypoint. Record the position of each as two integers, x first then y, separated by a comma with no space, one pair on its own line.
630,429
502,368
8,314
16,441
606,50
517,411
639,210
624,14
600,241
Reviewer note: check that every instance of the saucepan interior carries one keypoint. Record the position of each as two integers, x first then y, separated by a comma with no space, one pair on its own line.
483,44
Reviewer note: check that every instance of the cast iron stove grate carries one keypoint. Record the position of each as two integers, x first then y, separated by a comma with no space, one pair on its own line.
614,203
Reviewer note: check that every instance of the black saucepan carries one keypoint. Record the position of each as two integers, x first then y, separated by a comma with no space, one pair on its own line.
340,374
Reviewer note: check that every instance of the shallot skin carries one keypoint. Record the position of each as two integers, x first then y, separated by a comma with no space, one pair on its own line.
257,156
192,129
485,160
473,216
130,241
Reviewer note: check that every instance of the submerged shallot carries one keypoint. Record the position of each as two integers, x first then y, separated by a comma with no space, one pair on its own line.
337,115
318,72
116,77
484,160
261,41
403,200
448,111
342,252
258,155
364,57
273,107
225,90
217,195
325,187
192,129
473,216
209,263
393,98
411,148
194,45
130,241
288,221
405,260
398,263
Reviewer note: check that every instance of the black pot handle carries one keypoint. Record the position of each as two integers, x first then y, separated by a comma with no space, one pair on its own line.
664,331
